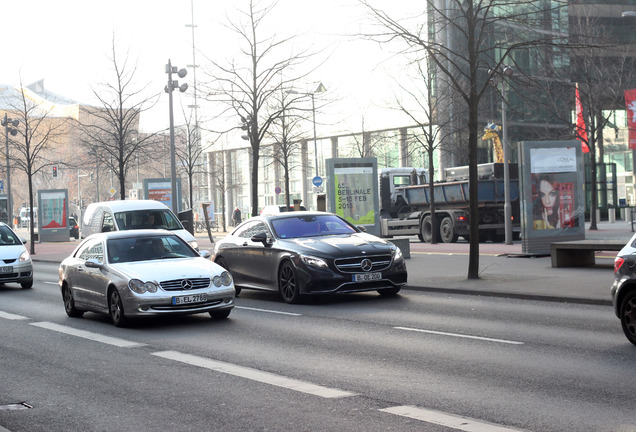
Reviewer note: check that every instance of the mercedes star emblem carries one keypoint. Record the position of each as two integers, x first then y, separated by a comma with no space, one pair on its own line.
366,264
186,284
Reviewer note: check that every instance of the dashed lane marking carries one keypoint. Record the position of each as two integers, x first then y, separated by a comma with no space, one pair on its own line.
461,423
255,375
122,343
9,316
268,311
460,335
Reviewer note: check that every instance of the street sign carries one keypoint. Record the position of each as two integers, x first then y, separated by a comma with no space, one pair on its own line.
277,190
317,181
318,189
1,185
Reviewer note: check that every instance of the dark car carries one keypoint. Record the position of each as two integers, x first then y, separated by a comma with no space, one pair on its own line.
624,289
299,253
74,230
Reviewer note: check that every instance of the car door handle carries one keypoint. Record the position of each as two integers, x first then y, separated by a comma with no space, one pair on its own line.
245,244
79,269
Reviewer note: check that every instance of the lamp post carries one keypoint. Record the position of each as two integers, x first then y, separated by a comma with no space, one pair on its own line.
499,75
320,89
168,89
9,128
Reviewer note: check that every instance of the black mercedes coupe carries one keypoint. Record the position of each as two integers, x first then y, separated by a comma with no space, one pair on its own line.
305,252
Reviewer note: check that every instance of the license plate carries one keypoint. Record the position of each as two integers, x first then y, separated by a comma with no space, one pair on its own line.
366,277
6,269
193,298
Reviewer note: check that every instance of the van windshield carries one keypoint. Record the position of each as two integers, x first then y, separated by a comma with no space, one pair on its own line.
147,219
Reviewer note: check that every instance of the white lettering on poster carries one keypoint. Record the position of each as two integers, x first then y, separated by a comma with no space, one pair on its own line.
552,160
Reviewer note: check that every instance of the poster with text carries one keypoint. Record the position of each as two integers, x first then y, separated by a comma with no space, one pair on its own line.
354,194
554,179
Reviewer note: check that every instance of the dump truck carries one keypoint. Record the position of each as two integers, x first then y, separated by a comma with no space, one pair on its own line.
405,203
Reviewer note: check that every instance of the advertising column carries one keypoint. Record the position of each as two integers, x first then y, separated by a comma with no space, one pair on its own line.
52,215
552,199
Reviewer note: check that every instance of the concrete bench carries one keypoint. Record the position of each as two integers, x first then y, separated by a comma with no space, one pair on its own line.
580,253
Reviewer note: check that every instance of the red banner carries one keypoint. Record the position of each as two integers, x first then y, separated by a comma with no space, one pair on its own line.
581,131
630,104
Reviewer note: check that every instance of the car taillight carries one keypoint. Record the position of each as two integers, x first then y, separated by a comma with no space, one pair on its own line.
618,262
462,218
75,227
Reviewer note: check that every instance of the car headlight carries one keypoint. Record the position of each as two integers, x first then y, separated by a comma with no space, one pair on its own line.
314,262
140,287
397,254
194,245
24,256
224,279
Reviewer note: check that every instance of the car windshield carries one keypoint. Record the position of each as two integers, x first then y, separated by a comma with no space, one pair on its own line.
7,237
147,219
310,226
129,249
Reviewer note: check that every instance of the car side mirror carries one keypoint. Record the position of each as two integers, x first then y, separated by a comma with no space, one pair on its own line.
361,228
93,263
260,237
205,254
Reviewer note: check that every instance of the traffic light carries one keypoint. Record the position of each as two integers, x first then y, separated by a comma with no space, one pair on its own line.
54,171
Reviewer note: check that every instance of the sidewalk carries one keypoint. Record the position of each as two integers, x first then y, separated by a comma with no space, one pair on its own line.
444,268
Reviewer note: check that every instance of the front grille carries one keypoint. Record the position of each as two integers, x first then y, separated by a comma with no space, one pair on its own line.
9,261
8,275
175,284
354,265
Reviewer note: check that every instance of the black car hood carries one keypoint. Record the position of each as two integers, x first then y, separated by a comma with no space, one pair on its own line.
340,245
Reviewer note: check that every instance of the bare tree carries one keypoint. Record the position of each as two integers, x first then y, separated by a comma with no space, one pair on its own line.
189,153
248,88
486,33
603,70
31,151
111,129
423,107
286,135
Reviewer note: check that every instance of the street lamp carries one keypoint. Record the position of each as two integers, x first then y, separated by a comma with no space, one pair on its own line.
500,74
168,89
8,129
320,89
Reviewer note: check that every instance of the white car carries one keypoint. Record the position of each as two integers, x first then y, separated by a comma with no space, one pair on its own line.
140,273
15,261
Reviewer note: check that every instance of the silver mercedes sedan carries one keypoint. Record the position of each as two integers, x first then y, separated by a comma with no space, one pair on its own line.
129,274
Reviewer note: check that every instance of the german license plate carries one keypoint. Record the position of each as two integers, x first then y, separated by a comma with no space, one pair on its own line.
193,298
366,277
6,269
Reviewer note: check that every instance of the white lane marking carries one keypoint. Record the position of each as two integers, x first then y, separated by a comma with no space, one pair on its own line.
466,424
51,283
461,335
7,315
122,343
255,375
268,311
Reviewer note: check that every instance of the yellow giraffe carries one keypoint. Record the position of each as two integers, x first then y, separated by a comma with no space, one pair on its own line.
491,131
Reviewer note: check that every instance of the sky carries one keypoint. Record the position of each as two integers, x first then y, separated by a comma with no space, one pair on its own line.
68,44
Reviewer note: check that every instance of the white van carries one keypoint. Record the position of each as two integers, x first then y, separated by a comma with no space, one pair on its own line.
133,214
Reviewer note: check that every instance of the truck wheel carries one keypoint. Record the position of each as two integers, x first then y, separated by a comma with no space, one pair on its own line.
426,229
447,231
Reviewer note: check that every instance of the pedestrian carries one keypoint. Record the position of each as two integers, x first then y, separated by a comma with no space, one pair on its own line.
236,216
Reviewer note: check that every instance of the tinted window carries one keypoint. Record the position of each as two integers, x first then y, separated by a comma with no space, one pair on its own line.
308,226
147,248
147,219
7,237
251,228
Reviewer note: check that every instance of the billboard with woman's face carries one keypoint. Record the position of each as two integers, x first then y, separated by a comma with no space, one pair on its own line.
552,194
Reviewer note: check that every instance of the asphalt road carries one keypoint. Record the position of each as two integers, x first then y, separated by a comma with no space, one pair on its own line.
349,363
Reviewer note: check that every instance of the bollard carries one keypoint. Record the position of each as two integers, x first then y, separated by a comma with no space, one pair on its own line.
598,215
611,214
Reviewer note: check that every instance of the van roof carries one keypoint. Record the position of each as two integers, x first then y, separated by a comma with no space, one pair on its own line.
127,205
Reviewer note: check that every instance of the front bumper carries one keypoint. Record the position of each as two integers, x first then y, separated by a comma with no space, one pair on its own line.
328,281
160,303
20,272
